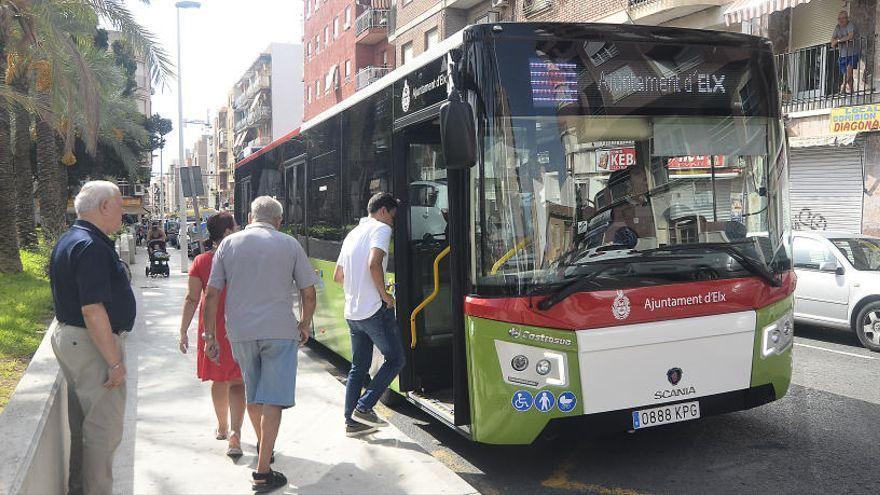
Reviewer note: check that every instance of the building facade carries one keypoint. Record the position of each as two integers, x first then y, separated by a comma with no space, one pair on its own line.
267,101
224,158
345,47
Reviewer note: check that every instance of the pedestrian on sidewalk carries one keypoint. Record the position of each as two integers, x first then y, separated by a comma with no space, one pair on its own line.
94,307
227,388
261,267
369,311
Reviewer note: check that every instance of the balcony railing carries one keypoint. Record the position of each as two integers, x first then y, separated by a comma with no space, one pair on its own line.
368,75
532,7
371,19
815,77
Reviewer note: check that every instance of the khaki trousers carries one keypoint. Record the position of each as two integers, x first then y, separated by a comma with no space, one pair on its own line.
95,413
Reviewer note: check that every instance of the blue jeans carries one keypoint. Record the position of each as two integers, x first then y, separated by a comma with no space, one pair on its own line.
379,330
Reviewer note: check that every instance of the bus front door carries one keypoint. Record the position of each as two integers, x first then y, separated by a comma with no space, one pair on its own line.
423,235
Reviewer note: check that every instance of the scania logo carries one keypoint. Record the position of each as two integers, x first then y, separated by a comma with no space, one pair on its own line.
513,332
674,375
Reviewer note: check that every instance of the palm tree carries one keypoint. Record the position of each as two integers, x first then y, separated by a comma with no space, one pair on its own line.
10,260
58,33
17,76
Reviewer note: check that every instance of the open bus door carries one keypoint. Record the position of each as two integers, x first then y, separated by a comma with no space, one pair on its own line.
425,301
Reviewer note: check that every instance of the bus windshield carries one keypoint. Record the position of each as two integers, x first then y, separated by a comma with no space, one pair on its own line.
587,175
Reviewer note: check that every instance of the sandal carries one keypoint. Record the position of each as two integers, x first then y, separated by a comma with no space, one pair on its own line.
234,452
219,435
264,482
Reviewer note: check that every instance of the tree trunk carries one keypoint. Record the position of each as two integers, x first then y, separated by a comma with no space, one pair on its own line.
51,181
24,173
10,259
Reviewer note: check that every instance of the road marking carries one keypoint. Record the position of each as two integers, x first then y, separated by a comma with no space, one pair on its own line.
834,351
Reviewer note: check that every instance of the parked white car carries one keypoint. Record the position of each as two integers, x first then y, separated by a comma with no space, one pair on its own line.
838,282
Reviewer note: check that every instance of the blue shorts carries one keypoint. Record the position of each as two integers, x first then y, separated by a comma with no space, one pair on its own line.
268,368
848,61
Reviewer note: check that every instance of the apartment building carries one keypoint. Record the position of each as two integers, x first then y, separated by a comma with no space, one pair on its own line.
346,47
224,158
267,101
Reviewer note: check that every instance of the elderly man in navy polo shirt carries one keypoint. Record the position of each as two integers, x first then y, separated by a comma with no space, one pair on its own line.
94,306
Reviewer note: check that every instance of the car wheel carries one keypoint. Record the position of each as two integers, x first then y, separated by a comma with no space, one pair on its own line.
867,326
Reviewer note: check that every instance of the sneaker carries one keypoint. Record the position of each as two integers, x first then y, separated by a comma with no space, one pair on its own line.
266,482
368,418
357,429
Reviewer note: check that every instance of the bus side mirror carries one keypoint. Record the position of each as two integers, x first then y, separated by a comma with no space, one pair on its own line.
457,133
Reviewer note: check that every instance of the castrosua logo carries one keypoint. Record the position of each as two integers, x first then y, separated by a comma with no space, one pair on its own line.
405,96
620,307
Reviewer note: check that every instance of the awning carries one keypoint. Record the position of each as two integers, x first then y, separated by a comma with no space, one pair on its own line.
810,141
746,10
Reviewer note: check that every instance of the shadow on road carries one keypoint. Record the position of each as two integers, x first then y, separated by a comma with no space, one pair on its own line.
827,334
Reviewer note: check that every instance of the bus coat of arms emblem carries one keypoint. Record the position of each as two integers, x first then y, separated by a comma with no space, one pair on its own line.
620,307
405,96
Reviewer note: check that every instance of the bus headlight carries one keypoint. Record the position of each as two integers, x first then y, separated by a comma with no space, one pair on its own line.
778,336
543,367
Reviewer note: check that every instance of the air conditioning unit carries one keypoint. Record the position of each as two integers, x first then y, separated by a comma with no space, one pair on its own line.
500,3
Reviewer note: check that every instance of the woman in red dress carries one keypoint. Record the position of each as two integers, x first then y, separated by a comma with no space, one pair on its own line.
227,389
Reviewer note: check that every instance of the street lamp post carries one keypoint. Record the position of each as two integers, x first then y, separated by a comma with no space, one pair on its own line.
181,208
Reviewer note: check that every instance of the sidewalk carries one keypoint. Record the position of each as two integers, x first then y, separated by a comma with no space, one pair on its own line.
169,446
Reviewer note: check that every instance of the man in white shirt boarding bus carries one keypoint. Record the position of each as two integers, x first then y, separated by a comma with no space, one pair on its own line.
369,311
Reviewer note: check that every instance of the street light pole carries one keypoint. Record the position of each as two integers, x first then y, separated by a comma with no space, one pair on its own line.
181,209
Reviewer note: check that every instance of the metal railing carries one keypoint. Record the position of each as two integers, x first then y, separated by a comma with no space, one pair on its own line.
370,19
369,75
815,77
531,7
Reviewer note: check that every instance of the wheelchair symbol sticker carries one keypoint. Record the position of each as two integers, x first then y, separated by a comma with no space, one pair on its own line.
544,401
522,400
566,402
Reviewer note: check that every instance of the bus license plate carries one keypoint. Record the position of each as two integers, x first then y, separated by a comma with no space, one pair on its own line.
662,415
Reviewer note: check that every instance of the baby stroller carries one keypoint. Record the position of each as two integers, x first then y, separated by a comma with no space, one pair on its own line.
158,264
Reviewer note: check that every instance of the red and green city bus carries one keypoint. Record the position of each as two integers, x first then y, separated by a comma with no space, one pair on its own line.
592,234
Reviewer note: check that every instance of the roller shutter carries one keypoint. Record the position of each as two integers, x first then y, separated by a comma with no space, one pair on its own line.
827,188
813,23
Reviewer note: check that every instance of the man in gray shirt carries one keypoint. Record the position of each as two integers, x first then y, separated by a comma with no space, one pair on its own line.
845,41
260,268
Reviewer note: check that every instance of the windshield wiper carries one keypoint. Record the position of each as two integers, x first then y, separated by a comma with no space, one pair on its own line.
749,263
580,284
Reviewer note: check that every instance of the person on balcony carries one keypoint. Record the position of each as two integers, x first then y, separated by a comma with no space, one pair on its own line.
844,40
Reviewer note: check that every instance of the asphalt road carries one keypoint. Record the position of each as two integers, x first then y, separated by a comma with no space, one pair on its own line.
823,437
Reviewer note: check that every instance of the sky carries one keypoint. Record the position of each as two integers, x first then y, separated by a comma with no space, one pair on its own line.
219,42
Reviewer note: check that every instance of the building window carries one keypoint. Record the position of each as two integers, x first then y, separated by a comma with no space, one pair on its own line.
406,53
317,4
347,23
384,58
431,38
326,35
318,44
309,95
347,70
309,49
317,89
335,27
308,8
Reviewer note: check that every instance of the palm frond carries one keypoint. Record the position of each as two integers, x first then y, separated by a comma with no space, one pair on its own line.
143,41
29,103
